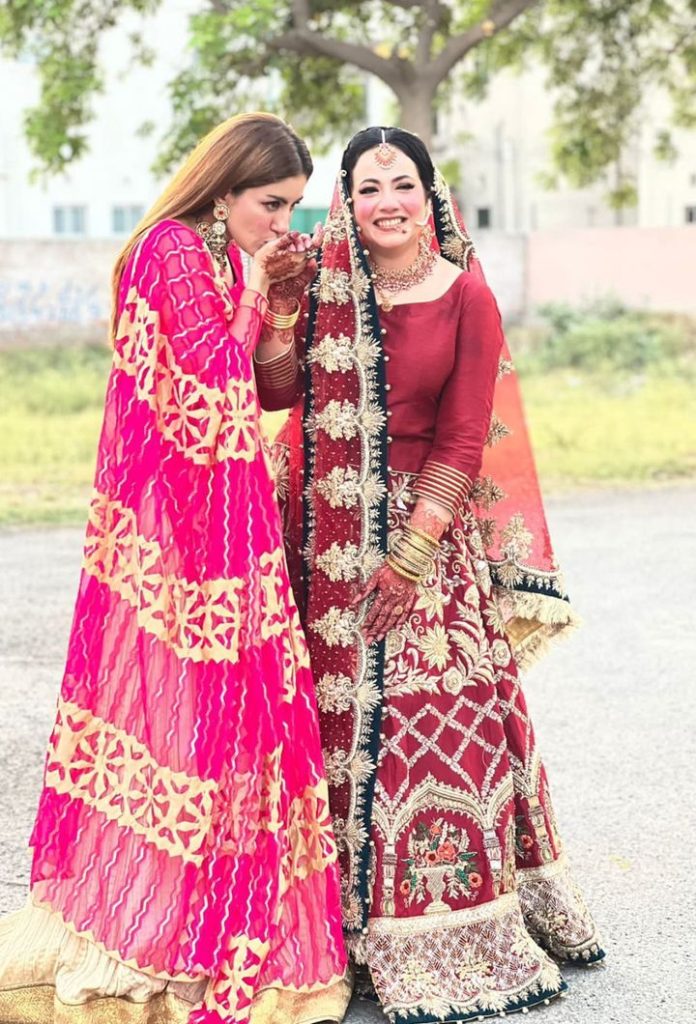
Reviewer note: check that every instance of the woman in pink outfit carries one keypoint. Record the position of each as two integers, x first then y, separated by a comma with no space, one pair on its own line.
184,865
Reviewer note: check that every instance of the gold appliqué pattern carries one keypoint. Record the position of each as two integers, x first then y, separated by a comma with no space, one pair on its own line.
231,994
205,424
202,621
311,844
91,760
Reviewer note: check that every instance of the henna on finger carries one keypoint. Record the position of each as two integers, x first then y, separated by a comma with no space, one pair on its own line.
384,616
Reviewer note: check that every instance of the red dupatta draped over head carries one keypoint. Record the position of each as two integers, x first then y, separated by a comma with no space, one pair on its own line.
345,516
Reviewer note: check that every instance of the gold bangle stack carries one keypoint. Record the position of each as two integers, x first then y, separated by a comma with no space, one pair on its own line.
282,321
413,554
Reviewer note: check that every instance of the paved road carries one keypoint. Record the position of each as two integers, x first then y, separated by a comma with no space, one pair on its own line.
615,714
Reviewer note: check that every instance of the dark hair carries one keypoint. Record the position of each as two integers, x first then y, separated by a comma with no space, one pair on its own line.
407,142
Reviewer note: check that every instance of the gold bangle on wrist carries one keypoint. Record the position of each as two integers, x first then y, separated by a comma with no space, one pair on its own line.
401,571
413,531
282,321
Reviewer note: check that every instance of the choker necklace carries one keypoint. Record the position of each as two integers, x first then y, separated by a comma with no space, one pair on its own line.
387,280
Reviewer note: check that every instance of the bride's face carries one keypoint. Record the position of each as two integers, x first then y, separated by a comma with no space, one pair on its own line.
387,202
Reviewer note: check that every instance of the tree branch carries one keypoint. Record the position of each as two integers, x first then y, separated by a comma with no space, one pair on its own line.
502,14
308,43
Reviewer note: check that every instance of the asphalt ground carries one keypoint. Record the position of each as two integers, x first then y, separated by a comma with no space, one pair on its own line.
614,710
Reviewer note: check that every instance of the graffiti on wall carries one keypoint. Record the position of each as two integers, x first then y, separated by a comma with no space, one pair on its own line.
29,302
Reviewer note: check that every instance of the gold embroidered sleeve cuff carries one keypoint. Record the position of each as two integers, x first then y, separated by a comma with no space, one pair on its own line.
278,373
443,484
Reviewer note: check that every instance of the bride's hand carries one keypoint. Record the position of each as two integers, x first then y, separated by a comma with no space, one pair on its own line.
284,293
394,598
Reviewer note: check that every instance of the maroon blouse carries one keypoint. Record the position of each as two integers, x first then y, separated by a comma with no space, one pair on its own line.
441,366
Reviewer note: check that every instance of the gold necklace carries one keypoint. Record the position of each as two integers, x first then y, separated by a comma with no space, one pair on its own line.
403,278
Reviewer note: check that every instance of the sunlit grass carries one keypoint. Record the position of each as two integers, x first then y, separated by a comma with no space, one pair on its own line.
587,431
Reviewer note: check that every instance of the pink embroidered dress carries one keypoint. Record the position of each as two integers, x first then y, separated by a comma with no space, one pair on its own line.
184,862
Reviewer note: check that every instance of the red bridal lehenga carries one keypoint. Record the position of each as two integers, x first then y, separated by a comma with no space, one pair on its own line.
458,901
184,864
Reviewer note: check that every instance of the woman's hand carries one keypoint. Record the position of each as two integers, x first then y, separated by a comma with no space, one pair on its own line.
284,258
394,598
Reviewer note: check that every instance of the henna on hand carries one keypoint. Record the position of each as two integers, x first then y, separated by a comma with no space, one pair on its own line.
430,518
394,598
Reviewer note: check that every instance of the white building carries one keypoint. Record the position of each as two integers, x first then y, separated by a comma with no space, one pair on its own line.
502,149
500,144
104,194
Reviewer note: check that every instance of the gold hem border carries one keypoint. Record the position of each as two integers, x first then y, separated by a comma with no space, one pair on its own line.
450,919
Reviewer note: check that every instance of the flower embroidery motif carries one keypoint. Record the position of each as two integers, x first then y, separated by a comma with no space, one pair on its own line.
334,693
336,627
439,863
497,431
516,539
345,563
486,492
334,355
340,487
338,420
333,286
433,643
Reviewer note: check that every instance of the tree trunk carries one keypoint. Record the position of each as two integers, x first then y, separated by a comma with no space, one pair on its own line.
416,110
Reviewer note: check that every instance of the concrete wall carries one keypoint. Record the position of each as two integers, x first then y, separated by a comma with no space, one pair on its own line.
648,268
55,286
61,288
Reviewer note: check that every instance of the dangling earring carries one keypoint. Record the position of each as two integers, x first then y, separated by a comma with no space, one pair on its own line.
425,239
215,235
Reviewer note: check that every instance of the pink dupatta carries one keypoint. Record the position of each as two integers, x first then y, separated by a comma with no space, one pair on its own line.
184,827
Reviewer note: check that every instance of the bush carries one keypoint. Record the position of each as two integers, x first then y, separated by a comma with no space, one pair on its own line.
604,336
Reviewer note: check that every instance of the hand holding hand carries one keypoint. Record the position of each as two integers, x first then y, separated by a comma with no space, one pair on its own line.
285,292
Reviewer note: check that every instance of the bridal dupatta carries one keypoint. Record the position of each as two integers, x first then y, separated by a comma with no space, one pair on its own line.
184,825
343,464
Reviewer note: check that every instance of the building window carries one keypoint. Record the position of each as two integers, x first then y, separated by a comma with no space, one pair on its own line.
125,218
305,217
690,214
69,220
483,217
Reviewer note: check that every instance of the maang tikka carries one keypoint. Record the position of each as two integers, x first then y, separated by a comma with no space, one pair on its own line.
385,154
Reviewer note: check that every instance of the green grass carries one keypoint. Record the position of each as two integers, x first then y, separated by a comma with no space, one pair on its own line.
590,431
587,430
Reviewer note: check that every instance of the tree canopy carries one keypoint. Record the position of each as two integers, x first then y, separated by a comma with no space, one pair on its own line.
307,59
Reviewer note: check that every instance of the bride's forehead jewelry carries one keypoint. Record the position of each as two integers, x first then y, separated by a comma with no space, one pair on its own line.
385,155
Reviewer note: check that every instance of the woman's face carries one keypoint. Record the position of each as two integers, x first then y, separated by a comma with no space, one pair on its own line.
258,215
387,202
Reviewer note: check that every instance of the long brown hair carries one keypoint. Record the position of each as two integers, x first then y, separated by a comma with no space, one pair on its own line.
245,151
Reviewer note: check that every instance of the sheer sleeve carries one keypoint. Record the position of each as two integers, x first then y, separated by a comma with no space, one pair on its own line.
189,344
207,333
466,402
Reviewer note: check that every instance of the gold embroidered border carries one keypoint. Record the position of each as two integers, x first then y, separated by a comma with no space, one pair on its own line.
544,871
424,923
205,424
105,767
202,621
